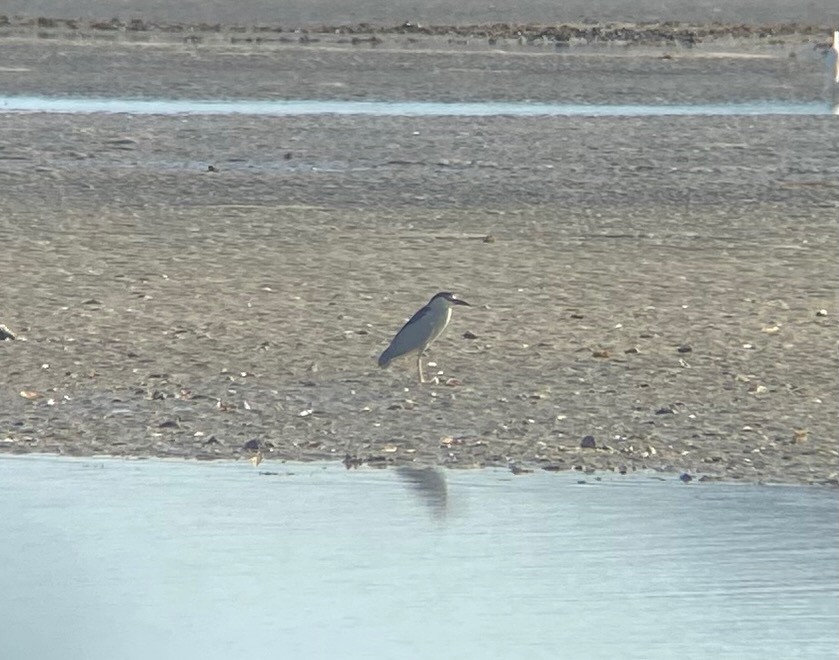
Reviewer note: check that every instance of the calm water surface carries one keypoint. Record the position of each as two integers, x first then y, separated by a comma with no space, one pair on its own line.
392,108
154,559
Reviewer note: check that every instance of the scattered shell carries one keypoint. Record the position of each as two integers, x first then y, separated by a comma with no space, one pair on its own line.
771,329
799,435
390,449
305,413
821,312
29,394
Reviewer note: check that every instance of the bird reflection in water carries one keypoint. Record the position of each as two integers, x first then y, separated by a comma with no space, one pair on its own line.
430,485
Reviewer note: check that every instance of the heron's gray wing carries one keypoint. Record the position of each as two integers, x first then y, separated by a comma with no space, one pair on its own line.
413,336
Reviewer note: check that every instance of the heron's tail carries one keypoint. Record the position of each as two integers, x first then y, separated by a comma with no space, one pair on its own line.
385,358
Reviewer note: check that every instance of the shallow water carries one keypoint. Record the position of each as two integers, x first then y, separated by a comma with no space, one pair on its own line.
148,559
392,108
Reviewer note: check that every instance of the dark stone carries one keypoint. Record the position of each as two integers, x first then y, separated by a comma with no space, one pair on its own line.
251,445
588,442
685,478
684,348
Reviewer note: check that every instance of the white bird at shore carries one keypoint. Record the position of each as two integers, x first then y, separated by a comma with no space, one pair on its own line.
422,329
833,57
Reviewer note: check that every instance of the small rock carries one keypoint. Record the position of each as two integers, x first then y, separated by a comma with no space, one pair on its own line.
600,353
821,312
684,348
6,334
211,168
515,469
665,410
632,350
685,478
588,442
489,238
169,424
469,335
251,445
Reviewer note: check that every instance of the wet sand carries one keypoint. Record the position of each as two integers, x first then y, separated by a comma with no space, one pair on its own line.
654,283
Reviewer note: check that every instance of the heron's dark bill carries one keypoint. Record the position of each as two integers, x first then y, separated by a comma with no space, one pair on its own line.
457,301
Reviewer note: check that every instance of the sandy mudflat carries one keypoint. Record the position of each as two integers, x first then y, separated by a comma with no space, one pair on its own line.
653,282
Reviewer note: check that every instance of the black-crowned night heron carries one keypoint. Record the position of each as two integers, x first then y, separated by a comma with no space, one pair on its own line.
423,328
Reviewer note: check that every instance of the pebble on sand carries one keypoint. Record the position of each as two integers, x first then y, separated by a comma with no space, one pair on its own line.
588,442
